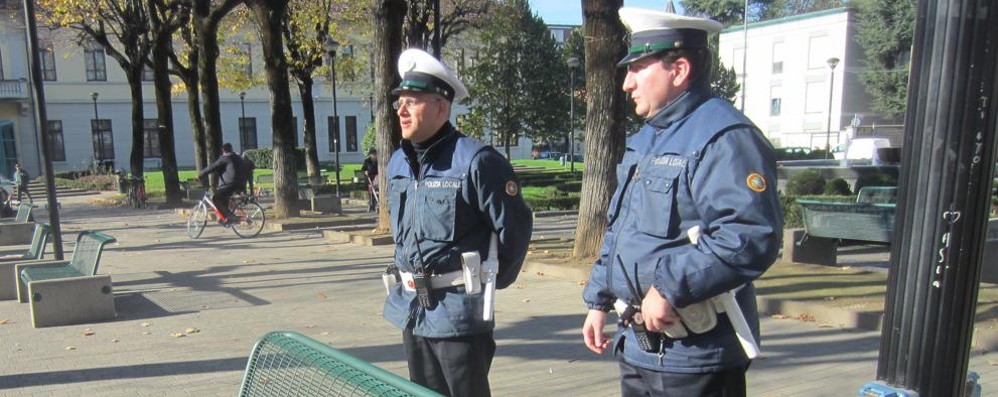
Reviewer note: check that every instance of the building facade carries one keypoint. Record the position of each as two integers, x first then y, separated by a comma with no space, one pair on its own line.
800,77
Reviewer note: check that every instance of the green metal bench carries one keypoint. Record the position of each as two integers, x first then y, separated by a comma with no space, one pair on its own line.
68,292
8,283
848,221
291,364
23,214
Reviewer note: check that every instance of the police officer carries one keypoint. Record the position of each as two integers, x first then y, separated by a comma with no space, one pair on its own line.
448,194
695,215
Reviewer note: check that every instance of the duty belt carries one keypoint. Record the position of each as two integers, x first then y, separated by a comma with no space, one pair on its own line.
436,281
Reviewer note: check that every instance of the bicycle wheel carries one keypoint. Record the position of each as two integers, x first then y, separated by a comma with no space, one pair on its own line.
250,219
197,221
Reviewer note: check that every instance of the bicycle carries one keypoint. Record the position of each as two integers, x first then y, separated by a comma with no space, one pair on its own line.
136,192
248,214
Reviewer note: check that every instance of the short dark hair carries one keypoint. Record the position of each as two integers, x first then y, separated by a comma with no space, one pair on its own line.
700,60
227,147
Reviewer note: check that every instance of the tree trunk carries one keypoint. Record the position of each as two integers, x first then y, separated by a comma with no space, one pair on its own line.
134,77
308,111
197,124
207,40
268,16
164,109
604,124
388,15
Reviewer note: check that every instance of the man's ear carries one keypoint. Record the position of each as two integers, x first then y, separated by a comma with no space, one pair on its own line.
683,69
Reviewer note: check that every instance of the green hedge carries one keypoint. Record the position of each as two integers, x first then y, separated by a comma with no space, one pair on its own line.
791,212
554,204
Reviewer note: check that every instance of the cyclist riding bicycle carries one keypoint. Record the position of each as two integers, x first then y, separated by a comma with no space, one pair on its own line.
231,172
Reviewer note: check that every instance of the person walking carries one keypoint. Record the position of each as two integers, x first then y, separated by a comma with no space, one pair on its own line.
694,219
370,168
453,202
21,180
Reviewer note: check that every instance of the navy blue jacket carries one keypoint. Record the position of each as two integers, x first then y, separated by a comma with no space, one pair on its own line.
698,162
463,192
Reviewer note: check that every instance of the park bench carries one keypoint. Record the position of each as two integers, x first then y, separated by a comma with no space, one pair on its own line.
291,364
8,283
877,195
826,224
17,231
68,292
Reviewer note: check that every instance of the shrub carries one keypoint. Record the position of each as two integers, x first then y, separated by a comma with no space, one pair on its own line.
791,212
878,179
261,158
837,187
806,182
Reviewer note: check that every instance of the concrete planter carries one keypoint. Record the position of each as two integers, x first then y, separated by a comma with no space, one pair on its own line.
814,250
327,204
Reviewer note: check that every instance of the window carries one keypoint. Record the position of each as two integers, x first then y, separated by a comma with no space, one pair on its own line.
103,139
57,147
351,131
775,100
334,133
147,74
93,55
150,138
818,52
816,97
246,53
778,57
46,55
247,133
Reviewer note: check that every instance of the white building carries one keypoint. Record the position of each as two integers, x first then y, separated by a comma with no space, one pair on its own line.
73,72
788,79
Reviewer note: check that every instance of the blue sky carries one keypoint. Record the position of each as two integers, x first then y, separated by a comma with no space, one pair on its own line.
569,12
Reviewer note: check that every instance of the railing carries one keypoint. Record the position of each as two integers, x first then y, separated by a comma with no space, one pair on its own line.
13,89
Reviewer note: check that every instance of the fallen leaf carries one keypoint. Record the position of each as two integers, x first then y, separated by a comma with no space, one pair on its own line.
70,348
178,335
146,333
779,316
146,324
526,300
324,333
4,321
89,332
310,326
192,330
825,325
114,340
322,296
540,273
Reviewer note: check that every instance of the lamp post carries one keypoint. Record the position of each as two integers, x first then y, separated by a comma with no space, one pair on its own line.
832,62
331,46
99,149
744,53
242,119
573,63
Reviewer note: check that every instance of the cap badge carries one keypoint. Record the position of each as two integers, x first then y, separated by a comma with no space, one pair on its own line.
756,182
512,189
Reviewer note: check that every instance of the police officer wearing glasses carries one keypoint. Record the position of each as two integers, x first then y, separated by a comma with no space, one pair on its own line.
449,197
695,218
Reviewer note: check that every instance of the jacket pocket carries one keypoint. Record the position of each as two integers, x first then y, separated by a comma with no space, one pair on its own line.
437,216
396,203
657,188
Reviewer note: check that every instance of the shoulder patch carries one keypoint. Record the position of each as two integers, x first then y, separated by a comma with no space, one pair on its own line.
756,182
512,189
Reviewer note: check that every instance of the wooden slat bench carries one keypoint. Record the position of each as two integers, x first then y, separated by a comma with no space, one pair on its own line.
292,364
68,292
8,278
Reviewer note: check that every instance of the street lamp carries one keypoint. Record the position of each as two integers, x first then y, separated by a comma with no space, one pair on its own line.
331,46
832,62
242,120
573,63
98,150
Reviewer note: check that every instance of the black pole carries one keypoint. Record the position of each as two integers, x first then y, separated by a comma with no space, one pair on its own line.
436,29
41,123
571,119
949,154
336,117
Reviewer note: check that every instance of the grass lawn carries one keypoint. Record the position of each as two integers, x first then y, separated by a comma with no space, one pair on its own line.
155,186
548,164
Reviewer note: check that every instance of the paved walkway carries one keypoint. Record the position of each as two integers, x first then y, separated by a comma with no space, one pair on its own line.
190,311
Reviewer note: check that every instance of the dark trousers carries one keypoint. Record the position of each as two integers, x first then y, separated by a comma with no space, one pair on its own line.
456,366
221,200
23,189
635,381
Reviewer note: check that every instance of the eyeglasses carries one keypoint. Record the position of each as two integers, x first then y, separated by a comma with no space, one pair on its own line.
408,103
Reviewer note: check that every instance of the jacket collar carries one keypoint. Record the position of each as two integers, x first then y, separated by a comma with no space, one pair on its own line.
680,107
445,134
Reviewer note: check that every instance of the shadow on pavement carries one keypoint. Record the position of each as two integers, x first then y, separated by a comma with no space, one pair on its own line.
122,372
